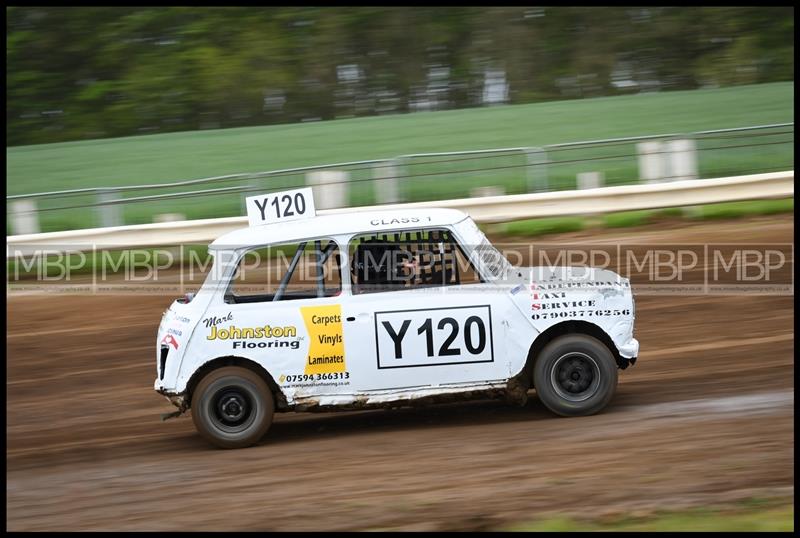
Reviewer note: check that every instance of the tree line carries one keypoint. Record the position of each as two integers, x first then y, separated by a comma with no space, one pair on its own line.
96,72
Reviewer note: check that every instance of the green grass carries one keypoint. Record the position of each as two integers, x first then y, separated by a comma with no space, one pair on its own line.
744,517
744,209
627,219
165,158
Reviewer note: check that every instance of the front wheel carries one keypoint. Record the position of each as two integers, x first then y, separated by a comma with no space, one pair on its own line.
575,375
232,407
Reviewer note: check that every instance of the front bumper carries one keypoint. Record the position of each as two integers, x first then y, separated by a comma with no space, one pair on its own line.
630,349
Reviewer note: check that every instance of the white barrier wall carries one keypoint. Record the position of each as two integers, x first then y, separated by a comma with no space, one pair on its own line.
485,209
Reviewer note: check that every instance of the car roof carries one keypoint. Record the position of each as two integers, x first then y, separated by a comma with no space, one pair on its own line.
337,224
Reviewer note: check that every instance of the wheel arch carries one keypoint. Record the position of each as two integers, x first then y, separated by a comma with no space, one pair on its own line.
569,327
243,362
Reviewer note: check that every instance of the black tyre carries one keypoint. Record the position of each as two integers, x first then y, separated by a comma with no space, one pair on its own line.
575,375
232,407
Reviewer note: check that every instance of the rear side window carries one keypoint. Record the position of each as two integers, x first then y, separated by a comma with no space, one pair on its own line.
291,271
397,261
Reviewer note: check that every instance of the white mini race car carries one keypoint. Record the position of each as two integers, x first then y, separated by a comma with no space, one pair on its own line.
382,309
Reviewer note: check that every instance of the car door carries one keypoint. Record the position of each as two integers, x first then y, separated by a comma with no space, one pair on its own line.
283,311
436,333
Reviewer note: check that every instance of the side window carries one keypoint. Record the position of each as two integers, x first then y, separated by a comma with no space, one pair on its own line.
393,261
305,270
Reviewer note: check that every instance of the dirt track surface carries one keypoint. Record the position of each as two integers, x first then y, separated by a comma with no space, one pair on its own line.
705,416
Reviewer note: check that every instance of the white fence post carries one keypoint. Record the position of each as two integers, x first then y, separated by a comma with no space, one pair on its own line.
330,188
651,161
492,190
536,159
385,187
682,159
110,214
23,217
590,180
668,160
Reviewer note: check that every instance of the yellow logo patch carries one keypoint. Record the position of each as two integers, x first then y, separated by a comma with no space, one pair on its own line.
326,341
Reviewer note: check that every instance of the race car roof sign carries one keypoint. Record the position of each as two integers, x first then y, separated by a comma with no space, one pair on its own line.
280,206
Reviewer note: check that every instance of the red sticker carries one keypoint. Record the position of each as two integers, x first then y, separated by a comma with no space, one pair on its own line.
170,340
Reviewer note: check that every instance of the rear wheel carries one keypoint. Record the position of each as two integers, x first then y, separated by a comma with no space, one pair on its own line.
575,375
232,407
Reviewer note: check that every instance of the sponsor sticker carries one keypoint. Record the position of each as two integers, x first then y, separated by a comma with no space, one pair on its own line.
217,320
266,336
326,347
170,341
